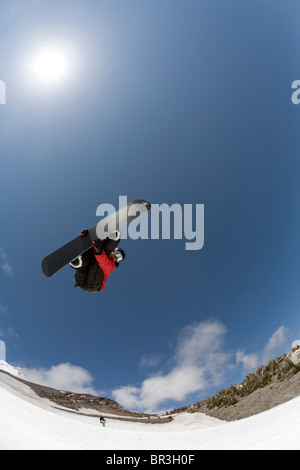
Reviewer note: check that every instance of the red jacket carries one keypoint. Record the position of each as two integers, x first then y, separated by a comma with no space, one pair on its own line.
107,265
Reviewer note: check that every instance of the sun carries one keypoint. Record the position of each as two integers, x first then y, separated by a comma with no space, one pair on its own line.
50,65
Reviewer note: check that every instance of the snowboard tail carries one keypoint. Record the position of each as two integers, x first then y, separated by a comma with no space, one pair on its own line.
65,254
55,261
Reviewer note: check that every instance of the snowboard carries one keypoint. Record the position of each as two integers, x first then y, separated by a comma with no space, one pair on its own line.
55,261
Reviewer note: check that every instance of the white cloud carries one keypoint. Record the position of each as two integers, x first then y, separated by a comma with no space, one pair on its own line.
249,361
6,331
156,390
5,264
275,342
62,377
3,309
11,332
199,362
271,349
151,361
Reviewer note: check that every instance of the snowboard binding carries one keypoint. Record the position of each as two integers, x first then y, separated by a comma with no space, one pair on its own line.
76,263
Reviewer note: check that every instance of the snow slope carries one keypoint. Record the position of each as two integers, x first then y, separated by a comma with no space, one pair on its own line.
11,369
30,422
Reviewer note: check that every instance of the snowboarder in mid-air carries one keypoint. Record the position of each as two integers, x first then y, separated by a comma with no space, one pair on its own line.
77,251
95,265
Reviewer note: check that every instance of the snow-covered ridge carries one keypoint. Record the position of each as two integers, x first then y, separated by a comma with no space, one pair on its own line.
17,371
294,356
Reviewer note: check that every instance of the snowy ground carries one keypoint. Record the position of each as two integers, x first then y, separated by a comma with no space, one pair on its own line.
30,422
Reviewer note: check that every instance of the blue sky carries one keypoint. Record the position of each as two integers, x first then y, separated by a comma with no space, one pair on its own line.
179,101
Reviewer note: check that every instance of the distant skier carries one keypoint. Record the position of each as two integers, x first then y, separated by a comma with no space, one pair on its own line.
102,421
95,265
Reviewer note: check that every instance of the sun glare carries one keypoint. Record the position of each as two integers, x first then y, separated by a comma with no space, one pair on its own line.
50,65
